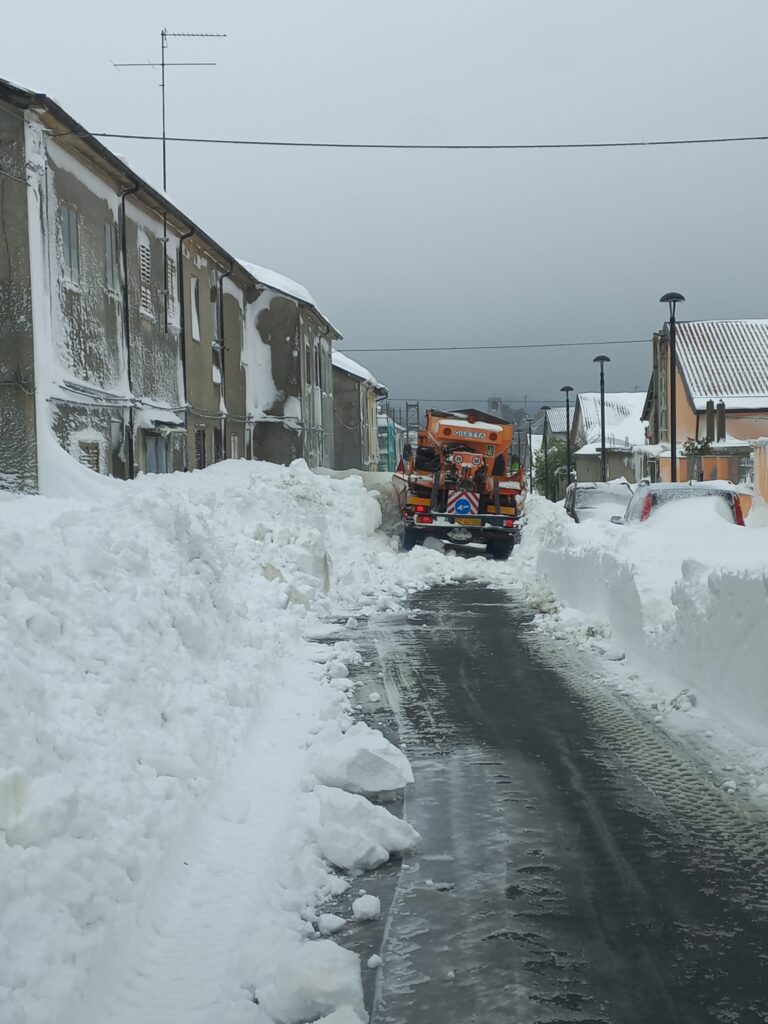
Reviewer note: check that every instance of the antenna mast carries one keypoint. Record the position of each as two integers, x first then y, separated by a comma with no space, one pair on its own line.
165,35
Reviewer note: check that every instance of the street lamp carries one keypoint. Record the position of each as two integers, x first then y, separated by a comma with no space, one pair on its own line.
529,421
673,298
603,464
567,391
545,409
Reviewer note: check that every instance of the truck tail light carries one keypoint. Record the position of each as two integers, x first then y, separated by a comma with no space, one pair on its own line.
646,508
509,522
423,519
738,513
421,508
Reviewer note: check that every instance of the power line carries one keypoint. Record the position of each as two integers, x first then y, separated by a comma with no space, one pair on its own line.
291,144
478,348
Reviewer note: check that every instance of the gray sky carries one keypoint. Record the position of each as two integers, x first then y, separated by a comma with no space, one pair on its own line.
422,248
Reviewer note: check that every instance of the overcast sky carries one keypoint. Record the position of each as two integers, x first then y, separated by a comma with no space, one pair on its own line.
452,248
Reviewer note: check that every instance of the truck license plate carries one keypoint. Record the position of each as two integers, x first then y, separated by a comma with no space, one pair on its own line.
464,521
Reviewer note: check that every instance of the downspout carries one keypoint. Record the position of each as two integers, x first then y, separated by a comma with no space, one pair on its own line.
221,350
132,190
183,329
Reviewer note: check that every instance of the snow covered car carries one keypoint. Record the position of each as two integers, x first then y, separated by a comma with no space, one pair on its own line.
596,500
649,498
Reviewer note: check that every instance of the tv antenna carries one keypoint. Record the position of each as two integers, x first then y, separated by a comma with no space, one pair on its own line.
165,35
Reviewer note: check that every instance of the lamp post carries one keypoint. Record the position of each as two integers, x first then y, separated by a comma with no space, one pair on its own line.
673,298
545,409
529,421
567,389
603,462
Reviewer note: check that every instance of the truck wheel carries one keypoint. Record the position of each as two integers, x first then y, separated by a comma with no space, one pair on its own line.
411,538
499,550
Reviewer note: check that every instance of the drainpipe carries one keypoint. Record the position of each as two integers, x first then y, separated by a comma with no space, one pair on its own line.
182,323
132,190
221,350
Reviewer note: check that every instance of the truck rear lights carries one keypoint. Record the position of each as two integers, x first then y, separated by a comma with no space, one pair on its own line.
646,508
423,519
738,514
421,508
509,522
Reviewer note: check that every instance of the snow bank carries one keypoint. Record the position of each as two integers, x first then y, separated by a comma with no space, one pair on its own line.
686,592
159,699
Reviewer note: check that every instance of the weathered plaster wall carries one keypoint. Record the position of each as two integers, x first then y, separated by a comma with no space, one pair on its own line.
348,427
18,457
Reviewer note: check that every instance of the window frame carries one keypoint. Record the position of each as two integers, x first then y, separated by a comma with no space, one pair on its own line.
70,244
194,304
112,259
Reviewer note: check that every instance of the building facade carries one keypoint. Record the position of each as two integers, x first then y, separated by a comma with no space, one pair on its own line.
129,338
721,399
356,394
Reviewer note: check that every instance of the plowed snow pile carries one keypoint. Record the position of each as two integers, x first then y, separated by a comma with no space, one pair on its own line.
683,596
165,724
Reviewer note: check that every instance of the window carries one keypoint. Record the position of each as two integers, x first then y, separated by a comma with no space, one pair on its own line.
170,284
70,249
113,259
218,444
200,447
195,309
145,276
234,447
89,455
317,366
156,448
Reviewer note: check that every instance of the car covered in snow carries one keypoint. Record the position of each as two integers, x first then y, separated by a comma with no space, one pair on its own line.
649,498
592,500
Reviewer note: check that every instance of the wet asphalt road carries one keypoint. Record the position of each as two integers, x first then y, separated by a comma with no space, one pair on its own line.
574,865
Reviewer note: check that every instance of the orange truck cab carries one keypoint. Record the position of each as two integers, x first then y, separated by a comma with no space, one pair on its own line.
461,482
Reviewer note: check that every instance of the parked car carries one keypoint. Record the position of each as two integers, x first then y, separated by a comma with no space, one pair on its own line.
596,500
647,499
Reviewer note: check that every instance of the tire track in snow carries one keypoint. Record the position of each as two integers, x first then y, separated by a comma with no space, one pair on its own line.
177,960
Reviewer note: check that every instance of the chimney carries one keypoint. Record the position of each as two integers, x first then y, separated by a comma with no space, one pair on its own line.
721,420
710,420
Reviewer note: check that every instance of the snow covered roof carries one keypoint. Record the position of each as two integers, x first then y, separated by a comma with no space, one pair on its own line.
27,98
556,420
623,425
347,365
279,282
725,359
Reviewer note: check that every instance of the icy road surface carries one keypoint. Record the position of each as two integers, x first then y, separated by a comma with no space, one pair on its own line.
574,867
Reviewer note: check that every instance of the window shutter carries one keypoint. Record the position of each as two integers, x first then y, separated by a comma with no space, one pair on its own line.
145,274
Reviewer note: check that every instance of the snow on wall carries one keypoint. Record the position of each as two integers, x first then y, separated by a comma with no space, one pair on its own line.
261,392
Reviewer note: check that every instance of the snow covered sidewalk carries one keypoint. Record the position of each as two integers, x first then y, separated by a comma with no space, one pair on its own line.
165,721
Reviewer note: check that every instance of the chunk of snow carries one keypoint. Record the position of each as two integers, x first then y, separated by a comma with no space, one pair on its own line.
374,961
362,761
366,908
324,978
353,833
327,924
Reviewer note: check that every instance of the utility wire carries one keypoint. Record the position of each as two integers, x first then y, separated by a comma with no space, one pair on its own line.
419,146
484,348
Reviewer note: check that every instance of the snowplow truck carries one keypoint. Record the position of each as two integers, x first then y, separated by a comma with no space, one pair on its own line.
462,482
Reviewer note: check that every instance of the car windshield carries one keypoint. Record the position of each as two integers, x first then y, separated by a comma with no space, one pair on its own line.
663,495
591,497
